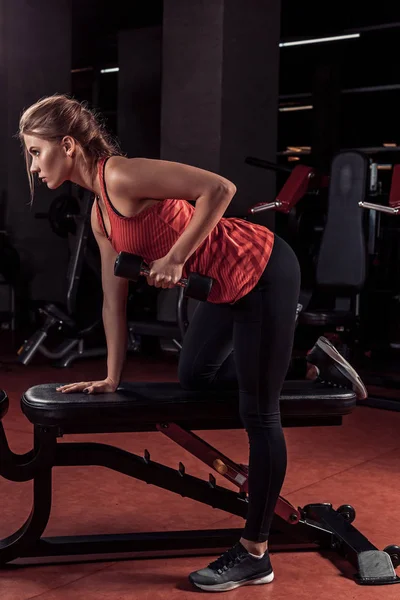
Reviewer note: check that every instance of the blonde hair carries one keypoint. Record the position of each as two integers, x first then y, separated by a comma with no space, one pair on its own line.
54,117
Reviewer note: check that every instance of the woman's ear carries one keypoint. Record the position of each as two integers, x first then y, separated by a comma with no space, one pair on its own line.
69,145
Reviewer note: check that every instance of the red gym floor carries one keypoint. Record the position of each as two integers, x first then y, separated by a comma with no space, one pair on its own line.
356,464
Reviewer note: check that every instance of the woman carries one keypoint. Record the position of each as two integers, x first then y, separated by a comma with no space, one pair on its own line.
252,305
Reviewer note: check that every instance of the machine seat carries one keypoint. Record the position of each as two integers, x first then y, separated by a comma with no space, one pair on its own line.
325,317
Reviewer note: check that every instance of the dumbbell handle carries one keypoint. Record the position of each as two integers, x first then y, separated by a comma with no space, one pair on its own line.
132,267
146,271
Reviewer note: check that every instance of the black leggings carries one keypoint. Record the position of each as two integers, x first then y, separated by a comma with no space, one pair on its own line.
249,344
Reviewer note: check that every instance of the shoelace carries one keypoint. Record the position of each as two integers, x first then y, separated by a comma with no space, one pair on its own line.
228,559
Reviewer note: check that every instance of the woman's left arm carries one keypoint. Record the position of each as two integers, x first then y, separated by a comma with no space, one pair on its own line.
159,179
210,207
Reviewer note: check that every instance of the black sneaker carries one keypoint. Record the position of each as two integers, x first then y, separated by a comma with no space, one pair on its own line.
234,568
335,369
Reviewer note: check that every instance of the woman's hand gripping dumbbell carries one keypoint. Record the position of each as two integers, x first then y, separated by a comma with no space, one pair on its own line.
131,266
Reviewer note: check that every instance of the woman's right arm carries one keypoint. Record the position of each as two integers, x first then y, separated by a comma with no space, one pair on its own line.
115,293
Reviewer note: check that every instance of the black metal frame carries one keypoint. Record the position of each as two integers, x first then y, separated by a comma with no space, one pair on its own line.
314,527
73,346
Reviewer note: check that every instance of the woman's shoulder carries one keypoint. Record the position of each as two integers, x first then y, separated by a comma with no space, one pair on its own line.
121,164
120,170
117,166
121,174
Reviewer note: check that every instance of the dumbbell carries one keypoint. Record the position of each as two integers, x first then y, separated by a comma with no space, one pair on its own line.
131,266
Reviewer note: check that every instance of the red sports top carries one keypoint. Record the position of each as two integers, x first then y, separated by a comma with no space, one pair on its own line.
234,254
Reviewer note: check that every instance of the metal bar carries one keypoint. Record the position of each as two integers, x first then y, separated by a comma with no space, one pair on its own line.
342,35
236,474
266,164
148,545
379,207
27,536
25,467
266,206
94,454
344,532
365,89
134,545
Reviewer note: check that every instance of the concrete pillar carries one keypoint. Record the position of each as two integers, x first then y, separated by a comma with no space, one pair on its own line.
220,91
139,91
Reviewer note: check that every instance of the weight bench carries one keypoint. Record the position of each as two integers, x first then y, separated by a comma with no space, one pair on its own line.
174,412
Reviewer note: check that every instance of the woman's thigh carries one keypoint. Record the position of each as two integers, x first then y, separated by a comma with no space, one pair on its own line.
206,345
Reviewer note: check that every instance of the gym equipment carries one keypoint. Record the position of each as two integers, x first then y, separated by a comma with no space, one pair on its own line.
174,412
10,265
384,250
172,319
174,306
394,195
9,275
77,330
334,304
181,300
301,181
62,215
66,319
132,267
302,199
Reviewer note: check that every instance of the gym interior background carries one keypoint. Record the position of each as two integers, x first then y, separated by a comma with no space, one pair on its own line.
260,85
250,89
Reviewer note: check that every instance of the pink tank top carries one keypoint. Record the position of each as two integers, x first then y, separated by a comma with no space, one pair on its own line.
234,254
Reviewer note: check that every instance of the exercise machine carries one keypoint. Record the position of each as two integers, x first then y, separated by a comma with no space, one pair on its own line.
69,217
302,180
168,409
380,370
9,273
331,298
300,211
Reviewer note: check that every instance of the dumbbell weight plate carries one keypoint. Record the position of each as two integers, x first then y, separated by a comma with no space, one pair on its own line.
128,266
198,287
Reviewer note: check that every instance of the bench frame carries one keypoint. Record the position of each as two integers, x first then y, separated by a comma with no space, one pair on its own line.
316,527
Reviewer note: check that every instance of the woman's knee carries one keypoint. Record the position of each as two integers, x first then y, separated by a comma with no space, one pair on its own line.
255,417
193,383
190,379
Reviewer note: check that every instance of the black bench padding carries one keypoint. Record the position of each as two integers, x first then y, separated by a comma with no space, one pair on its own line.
3,404
140,406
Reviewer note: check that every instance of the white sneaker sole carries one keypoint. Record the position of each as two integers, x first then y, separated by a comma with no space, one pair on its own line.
231,585
347,370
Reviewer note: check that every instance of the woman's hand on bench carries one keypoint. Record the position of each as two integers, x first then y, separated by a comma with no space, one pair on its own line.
89,387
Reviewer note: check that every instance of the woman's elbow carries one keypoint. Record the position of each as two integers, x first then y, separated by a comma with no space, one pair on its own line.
229,188
226,190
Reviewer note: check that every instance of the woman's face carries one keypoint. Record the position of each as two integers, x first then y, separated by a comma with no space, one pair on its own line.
49,160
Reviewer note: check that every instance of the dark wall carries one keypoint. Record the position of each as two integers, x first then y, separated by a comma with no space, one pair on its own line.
250,92
34,62
139,91
192,82
220,90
